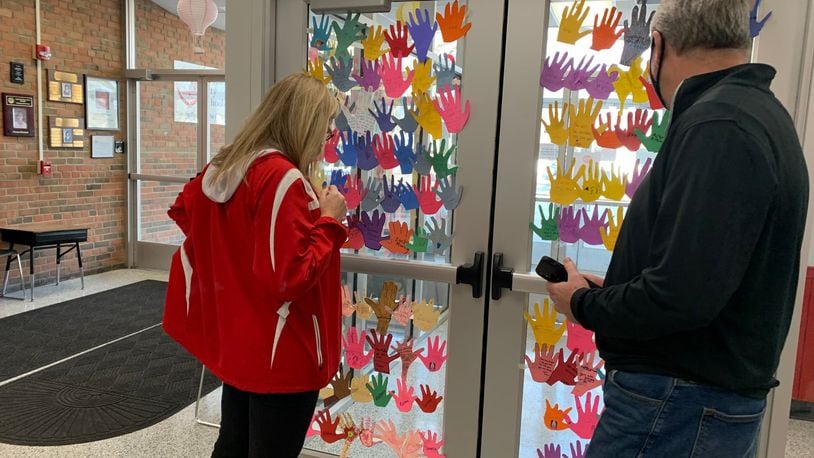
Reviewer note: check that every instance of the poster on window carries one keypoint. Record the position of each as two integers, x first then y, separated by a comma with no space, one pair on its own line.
186,98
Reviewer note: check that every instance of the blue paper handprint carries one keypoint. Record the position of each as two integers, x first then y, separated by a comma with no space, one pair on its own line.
407,195
321,33
756,26
422,29
340,69
405,153
383,115
348,155
340,180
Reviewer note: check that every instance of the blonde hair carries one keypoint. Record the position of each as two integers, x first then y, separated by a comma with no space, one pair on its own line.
293,118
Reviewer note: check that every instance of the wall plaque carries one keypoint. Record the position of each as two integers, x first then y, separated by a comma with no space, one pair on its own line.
66,132
65,87
18,115
17,72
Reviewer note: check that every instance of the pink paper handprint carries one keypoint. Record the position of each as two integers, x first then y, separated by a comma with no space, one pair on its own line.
587,417
354,345
638,176
587,375
568,225
404,397
448,105
436,357
404,311
395,84
591,231
545,361
432,444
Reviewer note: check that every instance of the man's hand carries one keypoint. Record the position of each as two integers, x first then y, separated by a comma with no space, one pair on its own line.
561,293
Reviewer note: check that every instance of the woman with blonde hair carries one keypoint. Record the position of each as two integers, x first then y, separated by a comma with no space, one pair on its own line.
254,290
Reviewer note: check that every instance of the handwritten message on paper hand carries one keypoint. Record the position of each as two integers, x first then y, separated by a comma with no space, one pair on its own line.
403,313
340,74
453,22
372,227
423,79
613,186
445,70
555,128
606,135
547,230
611,234
637,33
425,315
419,242
370,79
373,195
564,189
395,83
544,325
587,417
378,389
366,431
756,26
385,150
545,361
600,87
658,133
441,241
432,444
605,33
579,75
429,400
427,116
422,29
400,234
580,339
568,225
566,371
571,23
635,121
436,356
580,133
449,105
550,451
372,44
383,115
591,187
591,231
358,389
354,345
322,32
383,309
638,177
555,70
554,418
397,40
587,379
407,196
404,397
381,345
350,31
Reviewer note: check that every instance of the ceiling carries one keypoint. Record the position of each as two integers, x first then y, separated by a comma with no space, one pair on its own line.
220,22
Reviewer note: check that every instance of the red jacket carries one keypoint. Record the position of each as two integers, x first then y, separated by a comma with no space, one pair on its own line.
254,290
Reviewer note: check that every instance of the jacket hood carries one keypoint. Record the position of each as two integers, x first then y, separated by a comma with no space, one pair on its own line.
224,188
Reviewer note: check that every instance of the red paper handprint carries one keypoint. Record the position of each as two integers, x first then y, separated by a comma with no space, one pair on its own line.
381,358
587,417
435,355
311,431
427,197
606,134
405,351
639,121
580,339
385,150
429,400
327,428
397,40
354,192
355,349
329,152
545,361
432,445
566,371
404,397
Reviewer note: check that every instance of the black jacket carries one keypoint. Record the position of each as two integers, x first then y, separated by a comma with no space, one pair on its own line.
703,279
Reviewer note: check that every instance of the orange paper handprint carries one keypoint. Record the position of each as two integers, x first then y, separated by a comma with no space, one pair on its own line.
605,33
606,135
400,234
453,23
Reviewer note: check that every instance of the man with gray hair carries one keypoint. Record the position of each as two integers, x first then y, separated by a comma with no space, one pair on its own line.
699,295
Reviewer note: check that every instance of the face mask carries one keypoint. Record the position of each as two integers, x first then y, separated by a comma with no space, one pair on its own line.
655,79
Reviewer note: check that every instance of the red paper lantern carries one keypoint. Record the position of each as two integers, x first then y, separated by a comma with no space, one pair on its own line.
198,15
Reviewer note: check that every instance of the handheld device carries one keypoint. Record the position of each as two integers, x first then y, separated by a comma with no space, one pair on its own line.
554,272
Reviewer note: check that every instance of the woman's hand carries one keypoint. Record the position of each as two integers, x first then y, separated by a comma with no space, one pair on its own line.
332,203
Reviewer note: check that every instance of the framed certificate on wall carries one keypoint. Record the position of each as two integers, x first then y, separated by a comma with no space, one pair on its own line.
65,87
18,115
101,103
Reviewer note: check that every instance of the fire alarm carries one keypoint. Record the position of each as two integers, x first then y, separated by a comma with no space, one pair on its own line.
43,52
45,168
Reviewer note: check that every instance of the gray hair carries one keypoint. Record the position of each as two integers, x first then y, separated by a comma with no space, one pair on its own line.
704,24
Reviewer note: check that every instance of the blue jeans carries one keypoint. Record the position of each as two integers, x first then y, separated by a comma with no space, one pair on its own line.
657,416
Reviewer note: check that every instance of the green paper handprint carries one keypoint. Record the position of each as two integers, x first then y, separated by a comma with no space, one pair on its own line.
419,241
440,159
657,133
548,226
352,30
378,388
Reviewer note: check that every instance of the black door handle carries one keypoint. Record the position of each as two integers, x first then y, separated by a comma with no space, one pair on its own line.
501,277
472,275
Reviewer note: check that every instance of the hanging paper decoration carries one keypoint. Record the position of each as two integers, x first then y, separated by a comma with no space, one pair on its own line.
198,15
571,23
637,33
756,26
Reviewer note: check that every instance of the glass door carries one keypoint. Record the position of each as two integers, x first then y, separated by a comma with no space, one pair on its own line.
413,152
585,129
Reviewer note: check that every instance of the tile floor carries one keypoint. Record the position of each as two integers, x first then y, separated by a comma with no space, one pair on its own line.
179,436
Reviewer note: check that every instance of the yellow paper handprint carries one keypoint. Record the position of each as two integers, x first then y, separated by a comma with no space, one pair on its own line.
423,79
358,389
614,185
637,88
425,315
317,70
372,44
405,9
556,129
581,133
571,23
316,176
544,325
564,188
591,187
427,117
611,233
363,311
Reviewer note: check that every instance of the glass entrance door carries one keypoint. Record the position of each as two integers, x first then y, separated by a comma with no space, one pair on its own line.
413,153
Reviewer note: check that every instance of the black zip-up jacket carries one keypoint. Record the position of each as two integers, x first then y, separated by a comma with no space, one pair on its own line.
703,279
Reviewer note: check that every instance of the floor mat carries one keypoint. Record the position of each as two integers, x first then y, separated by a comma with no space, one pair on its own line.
115,390
34,339
801,410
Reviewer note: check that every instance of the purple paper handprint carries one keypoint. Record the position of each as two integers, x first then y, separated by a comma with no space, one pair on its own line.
601,86
370,78
554,70
407,195
577,452
568,225
580,74
366,155
349,153
638,177
383,115
591,232
405,152
372,229
422,29
390,202
550,451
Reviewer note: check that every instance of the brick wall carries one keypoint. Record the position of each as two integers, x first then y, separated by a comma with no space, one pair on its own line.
85,37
